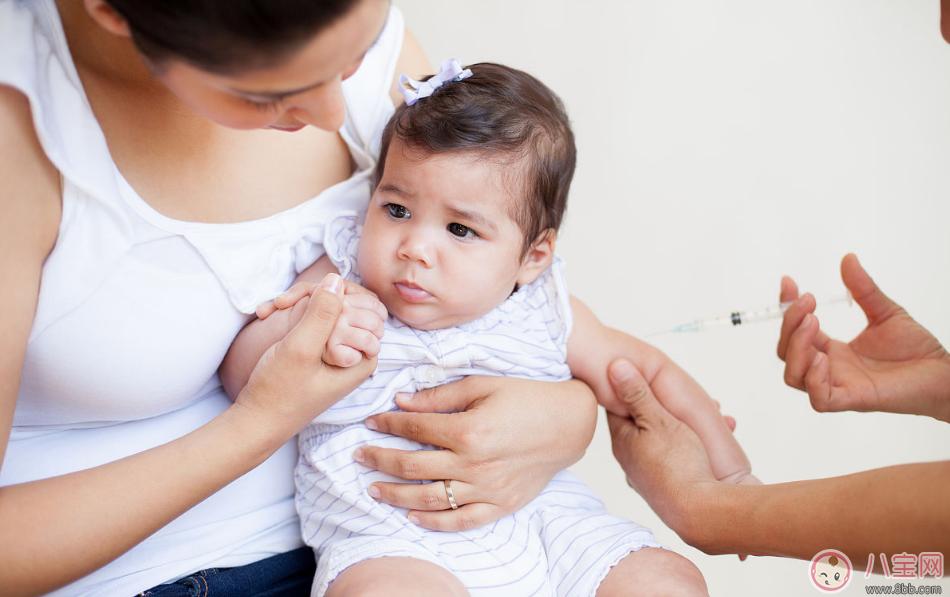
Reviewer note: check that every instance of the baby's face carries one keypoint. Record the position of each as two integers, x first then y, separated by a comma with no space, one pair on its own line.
438,245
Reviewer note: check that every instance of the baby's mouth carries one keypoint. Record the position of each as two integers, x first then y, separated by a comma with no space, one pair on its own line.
412,293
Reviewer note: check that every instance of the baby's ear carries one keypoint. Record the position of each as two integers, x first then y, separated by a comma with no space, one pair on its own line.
538,258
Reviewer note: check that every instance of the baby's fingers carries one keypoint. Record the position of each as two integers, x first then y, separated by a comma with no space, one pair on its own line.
363,319
344,356
355,339
365,311
265,310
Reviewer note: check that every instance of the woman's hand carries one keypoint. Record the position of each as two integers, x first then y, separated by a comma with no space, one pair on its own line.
504,439
664,460
291,383
894,365
358,329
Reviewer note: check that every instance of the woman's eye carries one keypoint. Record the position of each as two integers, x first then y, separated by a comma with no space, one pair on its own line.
397,211
461,231
264,106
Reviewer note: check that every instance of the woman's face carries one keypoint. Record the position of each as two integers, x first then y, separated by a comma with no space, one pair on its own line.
302,90
945,19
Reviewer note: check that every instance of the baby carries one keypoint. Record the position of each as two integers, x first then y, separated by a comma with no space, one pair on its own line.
458,244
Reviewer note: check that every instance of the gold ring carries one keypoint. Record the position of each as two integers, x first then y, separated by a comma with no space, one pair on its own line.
450,494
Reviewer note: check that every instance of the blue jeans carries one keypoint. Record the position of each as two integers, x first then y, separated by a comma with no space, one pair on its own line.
286,574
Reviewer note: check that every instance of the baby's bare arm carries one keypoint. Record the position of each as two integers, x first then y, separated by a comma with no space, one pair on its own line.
262,333
593,346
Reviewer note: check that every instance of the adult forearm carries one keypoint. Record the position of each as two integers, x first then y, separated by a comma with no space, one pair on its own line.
84,520
572,420
889,510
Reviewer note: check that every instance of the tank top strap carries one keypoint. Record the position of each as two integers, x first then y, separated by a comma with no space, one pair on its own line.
35,60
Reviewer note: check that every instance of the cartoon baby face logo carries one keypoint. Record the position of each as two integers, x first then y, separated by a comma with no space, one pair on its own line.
830,571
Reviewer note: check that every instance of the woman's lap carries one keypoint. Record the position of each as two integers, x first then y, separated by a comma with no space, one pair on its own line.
288,574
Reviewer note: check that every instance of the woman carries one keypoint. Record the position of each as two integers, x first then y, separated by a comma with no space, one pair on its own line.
152,192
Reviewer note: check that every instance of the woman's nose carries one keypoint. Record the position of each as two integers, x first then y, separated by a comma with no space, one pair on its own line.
322,107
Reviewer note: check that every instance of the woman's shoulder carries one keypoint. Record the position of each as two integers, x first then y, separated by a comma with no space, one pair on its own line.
30,197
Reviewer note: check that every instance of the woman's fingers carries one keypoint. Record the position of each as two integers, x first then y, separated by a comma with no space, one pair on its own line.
430,497
289,297
416,465
800,351
465,518
816,383
875,304
792,320
789,290
452,397
436,429
310,334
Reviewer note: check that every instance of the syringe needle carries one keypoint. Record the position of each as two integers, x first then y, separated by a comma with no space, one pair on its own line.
743,316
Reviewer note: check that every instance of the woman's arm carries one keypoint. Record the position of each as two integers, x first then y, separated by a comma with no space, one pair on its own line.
83,520
860,514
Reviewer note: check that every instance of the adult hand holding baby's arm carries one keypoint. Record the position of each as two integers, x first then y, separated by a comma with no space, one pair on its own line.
664,460
504,439
667,464
291,383
356,334
894,365
358,330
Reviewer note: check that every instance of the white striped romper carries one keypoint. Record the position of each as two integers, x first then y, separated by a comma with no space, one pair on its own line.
562,543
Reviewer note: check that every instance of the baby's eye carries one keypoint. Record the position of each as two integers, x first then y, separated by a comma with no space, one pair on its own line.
837,576
461,231
397,211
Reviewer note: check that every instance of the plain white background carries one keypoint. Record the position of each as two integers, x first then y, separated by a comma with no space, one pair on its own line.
723,144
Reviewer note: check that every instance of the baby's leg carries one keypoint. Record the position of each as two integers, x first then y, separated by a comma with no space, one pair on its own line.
653,572
395,577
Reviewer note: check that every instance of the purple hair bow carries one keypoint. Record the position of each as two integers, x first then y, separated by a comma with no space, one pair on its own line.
450,70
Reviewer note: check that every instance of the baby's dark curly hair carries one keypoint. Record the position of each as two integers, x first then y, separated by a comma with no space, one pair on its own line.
507,116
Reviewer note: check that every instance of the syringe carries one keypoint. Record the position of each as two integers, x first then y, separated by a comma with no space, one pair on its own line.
745,316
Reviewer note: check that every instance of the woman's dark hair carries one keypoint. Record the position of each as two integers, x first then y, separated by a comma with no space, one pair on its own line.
223,36
498,113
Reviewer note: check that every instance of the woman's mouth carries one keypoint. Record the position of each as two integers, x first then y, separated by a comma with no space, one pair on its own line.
287,129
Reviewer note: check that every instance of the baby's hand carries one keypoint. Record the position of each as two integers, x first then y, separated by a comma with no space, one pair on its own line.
358,330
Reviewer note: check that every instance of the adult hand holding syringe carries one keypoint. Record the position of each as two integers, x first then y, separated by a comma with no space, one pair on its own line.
893,365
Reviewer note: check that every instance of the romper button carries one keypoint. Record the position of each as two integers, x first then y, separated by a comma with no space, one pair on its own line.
432,375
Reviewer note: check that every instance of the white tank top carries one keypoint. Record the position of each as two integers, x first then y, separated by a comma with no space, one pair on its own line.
136,311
